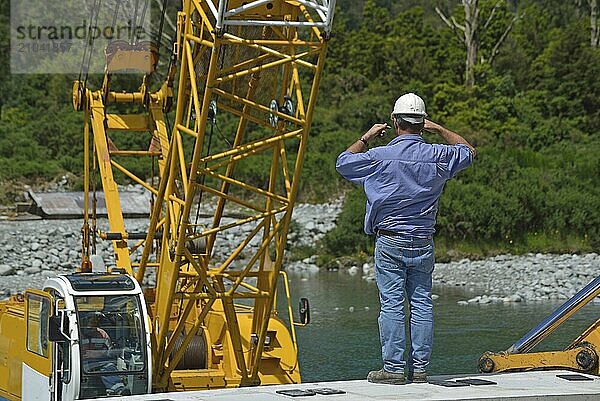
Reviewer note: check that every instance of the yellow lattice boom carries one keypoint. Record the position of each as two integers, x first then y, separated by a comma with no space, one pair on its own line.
244,81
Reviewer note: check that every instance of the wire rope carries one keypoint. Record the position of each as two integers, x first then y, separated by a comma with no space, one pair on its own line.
158,75
114,21
142,18
213,122
90,40
85,48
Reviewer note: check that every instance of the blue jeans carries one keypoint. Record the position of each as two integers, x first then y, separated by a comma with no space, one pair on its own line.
403,265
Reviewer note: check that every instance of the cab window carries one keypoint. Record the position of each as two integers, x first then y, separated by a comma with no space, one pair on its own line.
38,313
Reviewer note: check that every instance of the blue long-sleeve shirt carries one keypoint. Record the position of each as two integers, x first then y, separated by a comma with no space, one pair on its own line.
403,181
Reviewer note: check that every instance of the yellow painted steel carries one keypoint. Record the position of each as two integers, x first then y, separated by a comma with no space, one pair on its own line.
250,74
20,344
12,346
111,191
581,355
566,359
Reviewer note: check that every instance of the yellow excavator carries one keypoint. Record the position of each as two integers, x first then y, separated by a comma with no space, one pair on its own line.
253,68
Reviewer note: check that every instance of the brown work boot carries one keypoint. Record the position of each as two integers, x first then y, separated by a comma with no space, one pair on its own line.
419,377
384,377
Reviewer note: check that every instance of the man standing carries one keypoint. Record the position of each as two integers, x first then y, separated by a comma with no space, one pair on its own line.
403,182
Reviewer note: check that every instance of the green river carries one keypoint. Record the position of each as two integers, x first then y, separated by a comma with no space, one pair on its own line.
342,340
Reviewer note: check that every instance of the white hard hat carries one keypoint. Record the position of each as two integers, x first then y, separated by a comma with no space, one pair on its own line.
411,108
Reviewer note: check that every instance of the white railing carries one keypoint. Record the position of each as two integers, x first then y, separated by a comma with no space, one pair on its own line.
322,14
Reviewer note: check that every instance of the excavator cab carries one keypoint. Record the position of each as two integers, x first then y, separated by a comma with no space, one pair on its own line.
100,338
111,339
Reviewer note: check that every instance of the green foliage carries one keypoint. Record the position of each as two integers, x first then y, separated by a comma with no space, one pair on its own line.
348,237
534,116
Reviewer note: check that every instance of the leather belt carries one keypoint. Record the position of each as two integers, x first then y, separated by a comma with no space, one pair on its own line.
387,232
396,234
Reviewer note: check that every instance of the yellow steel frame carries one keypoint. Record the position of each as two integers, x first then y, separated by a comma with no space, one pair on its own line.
242,69
101,124
582,355
14,350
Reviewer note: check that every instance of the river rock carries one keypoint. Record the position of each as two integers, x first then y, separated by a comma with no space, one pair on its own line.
512,298
6,270
509,278
353,271
529,277
367,268
55,245
32,270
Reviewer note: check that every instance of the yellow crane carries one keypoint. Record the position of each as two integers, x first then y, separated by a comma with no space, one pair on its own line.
255,68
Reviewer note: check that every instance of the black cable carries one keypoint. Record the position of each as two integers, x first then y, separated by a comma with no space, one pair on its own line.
91,42
160,28
114,21
134,19
203,180
212,124
160,77
83,57
142,17
222,136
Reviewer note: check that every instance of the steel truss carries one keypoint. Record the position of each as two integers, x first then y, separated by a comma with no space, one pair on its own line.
255,67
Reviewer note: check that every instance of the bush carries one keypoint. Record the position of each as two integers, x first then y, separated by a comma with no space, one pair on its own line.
348,237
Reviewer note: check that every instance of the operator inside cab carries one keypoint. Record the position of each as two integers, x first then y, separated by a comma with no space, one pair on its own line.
96,356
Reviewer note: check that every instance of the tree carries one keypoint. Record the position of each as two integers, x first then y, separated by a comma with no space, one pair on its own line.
4,50
594,28
472,31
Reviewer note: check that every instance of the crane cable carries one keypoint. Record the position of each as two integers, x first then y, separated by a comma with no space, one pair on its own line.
160,28
87,50
115,15
160,77
213,123
87,54
89,43
157,242
95,165
84,69
141,19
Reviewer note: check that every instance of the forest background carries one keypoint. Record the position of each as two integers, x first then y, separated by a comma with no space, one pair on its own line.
528,99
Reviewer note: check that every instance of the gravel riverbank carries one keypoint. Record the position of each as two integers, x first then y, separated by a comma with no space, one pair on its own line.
32,250
530,277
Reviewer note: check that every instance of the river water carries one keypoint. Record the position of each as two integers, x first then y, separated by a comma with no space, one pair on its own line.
342,340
